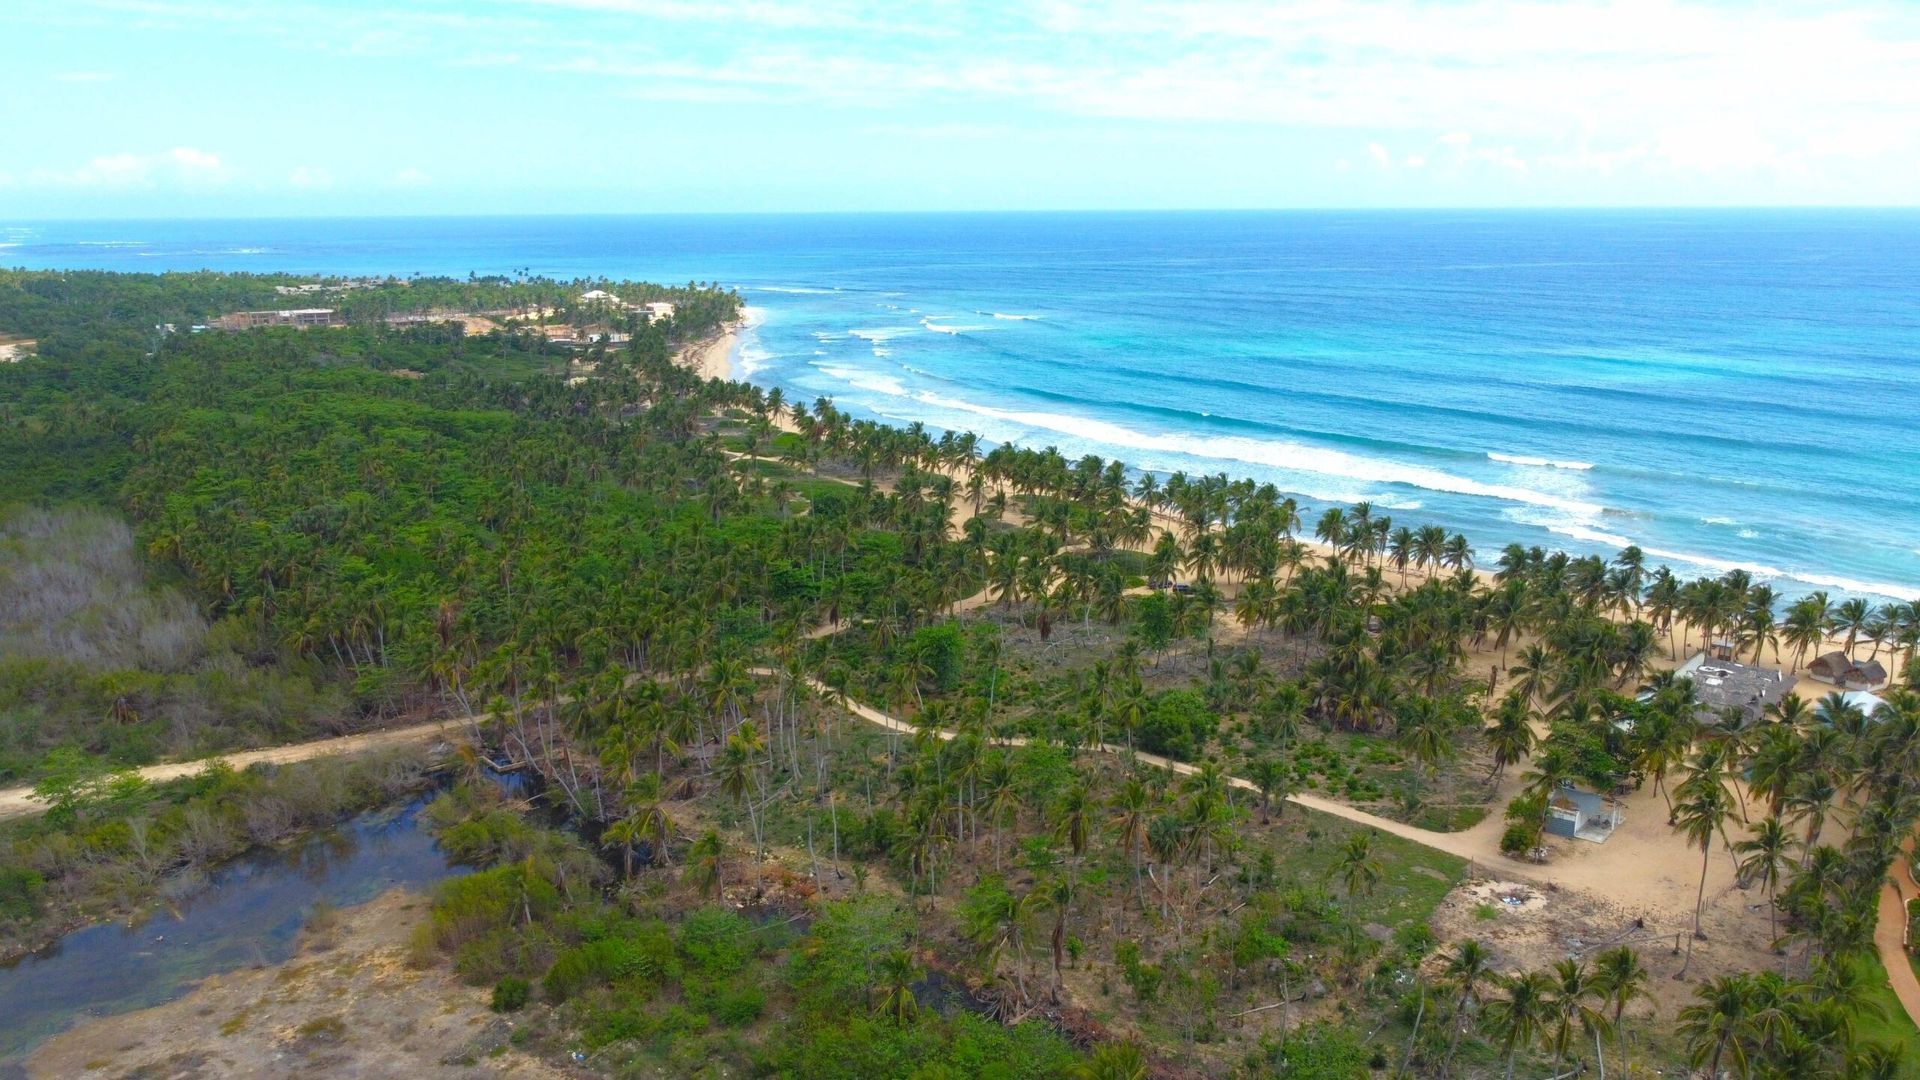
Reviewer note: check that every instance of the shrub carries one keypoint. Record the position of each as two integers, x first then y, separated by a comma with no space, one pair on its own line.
1519,838
510,994
20,890
1178,725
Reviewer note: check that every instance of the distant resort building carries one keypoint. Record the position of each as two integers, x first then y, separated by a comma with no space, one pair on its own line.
1841,670
654,310
1720,685
598,296
301,317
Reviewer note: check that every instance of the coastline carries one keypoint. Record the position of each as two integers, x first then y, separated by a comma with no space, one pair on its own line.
713,358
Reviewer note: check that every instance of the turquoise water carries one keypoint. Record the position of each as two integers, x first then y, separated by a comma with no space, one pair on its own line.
1722,388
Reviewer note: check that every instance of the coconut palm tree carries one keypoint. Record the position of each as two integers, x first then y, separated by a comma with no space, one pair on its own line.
1518,1019
1358,868
1764,859
1700,818
1577,1004
1466,969
898,973
1719,1027
1621,978
1511,735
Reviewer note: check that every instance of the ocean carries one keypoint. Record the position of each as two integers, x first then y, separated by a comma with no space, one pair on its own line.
1723,388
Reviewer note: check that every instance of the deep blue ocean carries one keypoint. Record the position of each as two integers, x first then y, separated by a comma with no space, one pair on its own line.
1723,388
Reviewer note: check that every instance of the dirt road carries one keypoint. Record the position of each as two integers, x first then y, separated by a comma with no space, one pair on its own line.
19,801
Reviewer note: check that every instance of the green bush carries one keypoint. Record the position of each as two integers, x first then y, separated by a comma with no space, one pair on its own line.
510,994
1519,838
20,890
1178,725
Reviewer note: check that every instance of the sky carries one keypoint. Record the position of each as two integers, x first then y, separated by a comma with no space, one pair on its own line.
131,108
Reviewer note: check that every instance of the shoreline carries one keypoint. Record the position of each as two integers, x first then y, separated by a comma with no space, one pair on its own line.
712,358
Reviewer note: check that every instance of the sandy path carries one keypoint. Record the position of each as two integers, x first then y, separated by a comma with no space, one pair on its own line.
19,801
1889,933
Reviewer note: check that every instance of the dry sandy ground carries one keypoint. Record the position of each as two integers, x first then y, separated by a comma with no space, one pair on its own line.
346,1005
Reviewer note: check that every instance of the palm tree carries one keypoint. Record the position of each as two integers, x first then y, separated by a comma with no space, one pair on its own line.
704,862
1700,818
1466,969
1852,616
1511,736
1358,868
1621,978
1518,1019
898,973
1577,997
1764,858
1131,805
1720,1024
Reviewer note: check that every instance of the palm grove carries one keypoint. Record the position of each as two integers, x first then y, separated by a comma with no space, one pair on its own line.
663,593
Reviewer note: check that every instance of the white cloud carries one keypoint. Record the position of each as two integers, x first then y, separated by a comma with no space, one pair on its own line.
1381,155
181,166
412,177
84,76
1415,161
310,178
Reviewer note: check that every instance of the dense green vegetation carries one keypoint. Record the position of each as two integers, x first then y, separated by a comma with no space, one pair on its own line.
111,844
657,591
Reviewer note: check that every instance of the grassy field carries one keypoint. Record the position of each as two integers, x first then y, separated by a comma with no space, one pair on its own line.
1895,1027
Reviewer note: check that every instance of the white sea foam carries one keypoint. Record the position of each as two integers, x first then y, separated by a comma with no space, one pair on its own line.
110,243
939,323
1539,462
877,335
865,380
1718,521
1009,318
795,290
882,353
1271,453
752,358
1749,534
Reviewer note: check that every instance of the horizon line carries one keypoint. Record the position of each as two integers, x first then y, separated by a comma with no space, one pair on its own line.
981,212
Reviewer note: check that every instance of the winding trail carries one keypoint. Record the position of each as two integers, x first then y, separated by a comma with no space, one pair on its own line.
1889,934
19,801
1471,845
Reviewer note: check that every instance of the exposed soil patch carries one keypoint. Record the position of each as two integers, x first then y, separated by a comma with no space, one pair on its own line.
346,1005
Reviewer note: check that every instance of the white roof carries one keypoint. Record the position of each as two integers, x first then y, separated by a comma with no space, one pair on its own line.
1868,704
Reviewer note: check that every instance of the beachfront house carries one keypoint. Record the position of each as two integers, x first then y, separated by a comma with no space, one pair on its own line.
1581,815
1720,685
1843,671
598,296
655,310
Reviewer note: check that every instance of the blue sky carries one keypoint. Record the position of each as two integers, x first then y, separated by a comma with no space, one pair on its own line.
236,107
